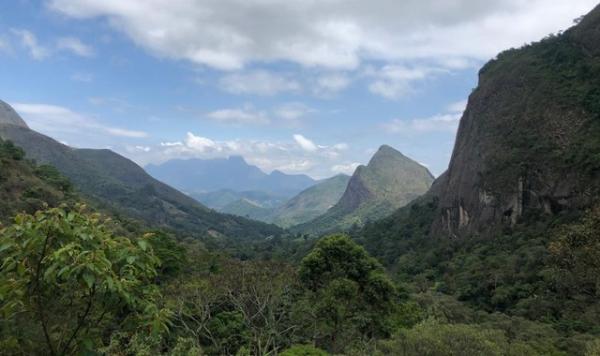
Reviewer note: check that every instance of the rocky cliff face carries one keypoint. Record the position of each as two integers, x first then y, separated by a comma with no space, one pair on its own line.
529,140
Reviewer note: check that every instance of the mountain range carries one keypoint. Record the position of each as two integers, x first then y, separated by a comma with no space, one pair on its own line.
197,176
114,182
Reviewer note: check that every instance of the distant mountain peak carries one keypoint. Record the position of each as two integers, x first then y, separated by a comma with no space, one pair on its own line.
386,151
9,116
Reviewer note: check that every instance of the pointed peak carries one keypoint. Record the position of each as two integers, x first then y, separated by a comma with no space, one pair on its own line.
9,116
387,148
388,151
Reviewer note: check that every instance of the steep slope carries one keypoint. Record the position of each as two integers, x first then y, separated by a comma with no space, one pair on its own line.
311,202
233,173
389,181
120,185
529,139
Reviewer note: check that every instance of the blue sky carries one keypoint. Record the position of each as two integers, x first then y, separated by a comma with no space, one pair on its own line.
302,86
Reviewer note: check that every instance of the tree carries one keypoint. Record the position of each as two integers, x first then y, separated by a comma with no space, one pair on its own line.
348,293
65,279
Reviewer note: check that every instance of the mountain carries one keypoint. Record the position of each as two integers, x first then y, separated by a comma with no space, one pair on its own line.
233,173
116,183
389,181
310,203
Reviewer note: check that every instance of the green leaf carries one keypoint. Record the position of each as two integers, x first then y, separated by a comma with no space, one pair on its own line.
89,279
5,246
143,244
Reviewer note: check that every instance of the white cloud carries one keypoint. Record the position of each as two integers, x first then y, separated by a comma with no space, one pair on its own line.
457,107
345,168
143,148
75,46
259,82
335,34
332,83
201,144
288,156
340,146
292,114
171,144
29,41
305,143
53,119
441,122
239,116
395,81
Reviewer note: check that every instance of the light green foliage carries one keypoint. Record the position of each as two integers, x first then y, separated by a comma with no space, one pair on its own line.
303,350
593,348
576,254
348,293
65,278
434,339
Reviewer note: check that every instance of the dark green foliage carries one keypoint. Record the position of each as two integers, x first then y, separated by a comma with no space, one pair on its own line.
229,331
350,294
170,253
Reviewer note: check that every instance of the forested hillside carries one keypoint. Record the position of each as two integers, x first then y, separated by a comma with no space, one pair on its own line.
118,184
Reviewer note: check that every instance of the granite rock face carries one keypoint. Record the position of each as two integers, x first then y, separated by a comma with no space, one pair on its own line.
528,141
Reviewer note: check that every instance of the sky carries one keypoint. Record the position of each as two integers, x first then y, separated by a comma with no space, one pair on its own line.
302,86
